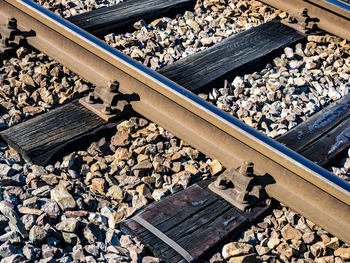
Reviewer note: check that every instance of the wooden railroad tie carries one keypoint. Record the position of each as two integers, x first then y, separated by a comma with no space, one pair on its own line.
120,18
189,225
42,137
38,140
186,226
239,54
324,135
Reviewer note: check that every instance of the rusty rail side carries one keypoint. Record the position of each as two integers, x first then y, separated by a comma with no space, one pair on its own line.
332,18
297,182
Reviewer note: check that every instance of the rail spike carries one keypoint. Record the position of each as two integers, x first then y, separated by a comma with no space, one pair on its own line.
238,186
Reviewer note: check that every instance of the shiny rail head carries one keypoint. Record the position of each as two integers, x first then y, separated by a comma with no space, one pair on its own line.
341,4
336,7
199,103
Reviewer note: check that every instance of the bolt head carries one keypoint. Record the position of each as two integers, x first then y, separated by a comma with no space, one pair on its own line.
107,109
12,23
90,98
304,12
246,169
113,85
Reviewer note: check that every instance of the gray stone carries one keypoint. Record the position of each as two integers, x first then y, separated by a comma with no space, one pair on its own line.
90,259
31,252
5,170
78,253
68,225
343,252
288,232
93,233
97,218
107,211
48,251
63,198
71,238
50,207
249,237
31,202
43,191
12,236
92,250
243,259
318,249
273,242
149,259
308,237
261,250
7,249
159,194
14,220
28,221
289,52
68,161
37,235
234,249
3,221
131,244
38,170
112,238
115,193
217,258
17,258
285,250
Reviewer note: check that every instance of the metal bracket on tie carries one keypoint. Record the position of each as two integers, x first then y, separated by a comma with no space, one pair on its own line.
303,22
237,186
11,37
107,103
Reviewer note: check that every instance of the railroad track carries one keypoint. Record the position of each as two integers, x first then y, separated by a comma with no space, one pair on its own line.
297,181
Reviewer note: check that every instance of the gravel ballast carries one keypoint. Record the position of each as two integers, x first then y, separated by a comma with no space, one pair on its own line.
70,211
67,8
302,81
166,40
32,83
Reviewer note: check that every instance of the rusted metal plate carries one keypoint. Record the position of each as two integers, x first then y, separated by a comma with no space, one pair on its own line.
188,225
238,187
106,112
106,102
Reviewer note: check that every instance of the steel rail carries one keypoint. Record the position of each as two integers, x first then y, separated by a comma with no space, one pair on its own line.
333,15
290,178
339,8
